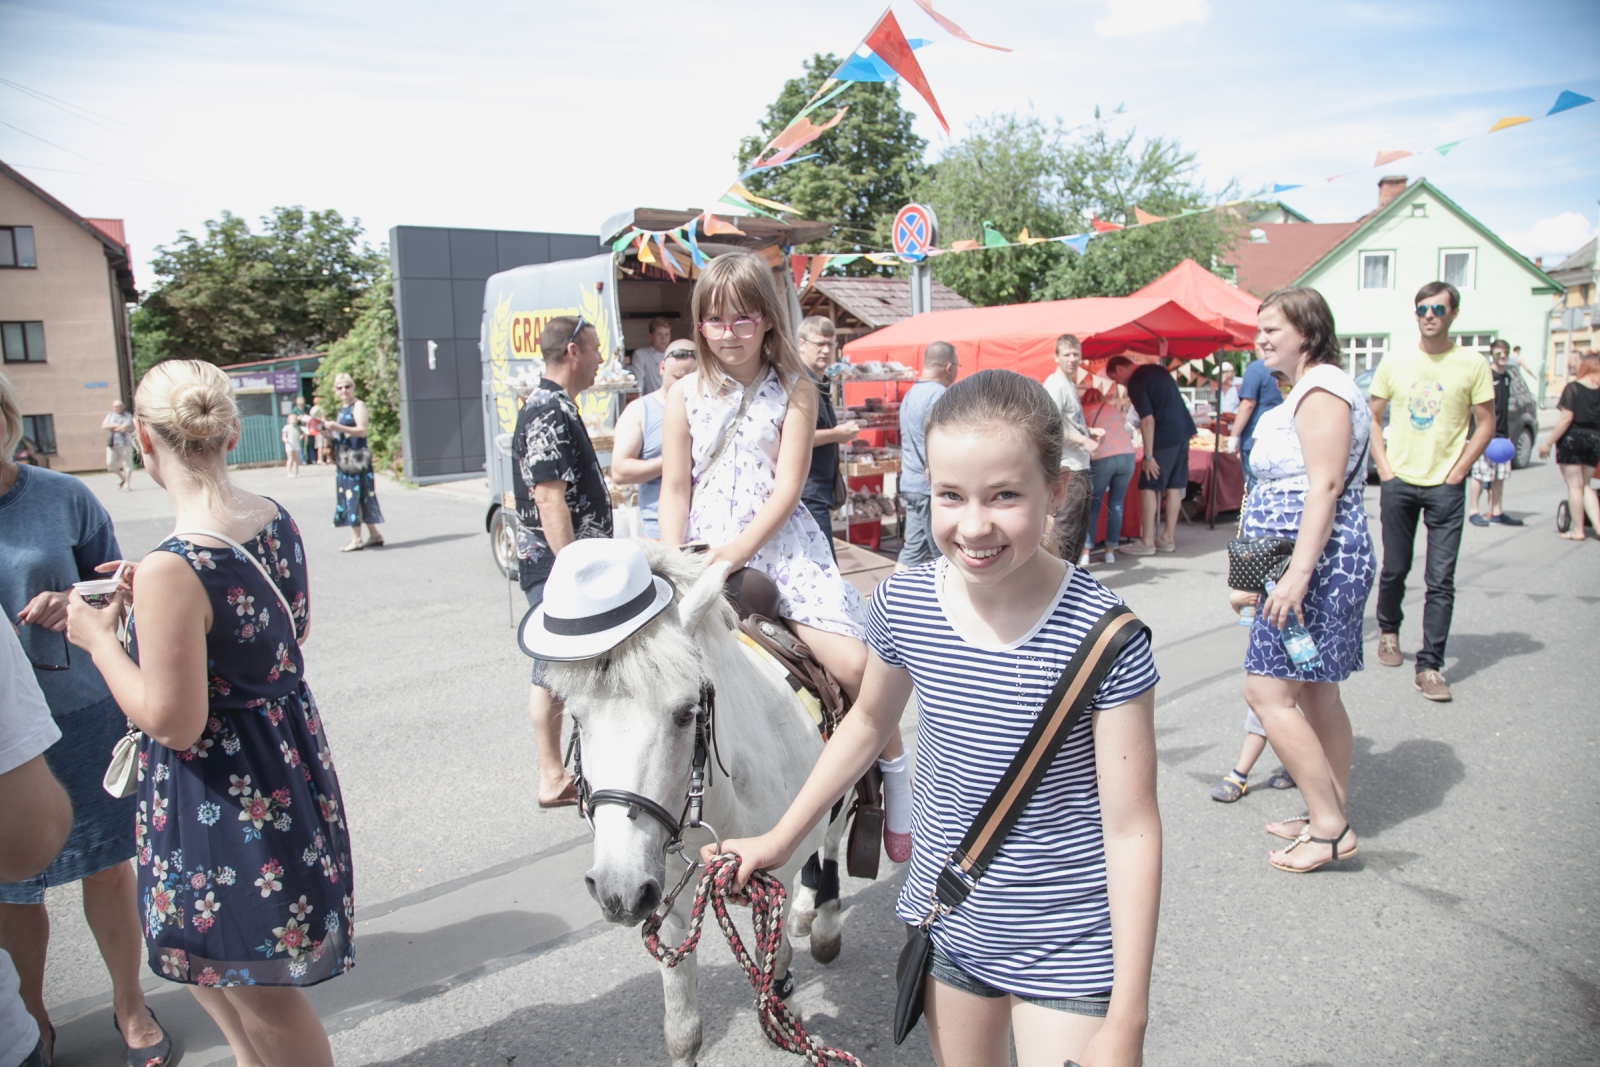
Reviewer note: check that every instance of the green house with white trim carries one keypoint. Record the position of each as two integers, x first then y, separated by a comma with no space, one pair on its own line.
1370,270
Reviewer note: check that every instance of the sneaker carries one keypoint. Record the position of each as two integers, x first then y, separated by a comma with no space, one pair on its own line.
1110,556
1389,650
1083,560
1432,685
1506,520
1477,520
1166,546
1139,548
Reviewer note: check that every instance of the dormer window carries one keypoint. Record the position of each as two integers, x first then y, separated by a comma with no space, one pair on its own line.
1419,210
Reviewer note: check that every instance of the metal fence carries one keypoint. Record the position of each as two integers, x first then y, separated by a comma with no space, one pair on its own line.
260,440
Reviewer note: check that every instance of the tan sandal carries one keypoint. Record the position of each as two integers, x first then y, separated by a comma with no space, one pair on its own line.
1305,836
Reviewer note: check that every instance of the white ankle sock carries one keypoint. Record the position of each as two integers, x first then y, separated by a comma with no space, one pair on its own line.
897,793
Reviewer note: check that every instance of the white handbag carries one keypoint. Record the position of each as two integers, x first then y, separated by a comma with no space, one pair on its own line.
122,776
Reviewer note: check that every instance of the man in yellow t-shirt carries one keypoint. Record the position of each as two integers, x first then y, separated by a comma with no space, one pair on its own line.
1436,390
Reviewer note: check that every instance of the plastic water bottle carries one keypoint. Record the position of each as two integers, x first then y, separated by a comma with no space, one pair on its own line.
1247,616
1297,643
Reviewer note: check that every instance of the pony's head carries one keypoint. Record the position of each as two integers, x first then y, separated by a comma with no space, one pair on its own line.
633,709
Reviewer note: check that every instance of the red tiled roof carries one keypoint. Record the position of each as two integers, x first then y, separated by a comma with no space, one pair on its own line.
883,301
1291,249
112,228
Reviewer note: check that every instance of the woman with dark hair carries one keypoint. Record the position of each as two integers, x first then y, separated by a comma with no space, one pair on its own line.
1308,459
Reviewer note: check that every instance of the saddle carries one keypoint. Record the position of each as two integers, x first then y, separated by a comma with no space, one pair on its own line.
755,600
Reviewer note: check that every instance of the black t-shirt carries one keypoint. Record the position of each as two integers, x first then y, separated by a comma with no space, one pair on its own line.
1502,402
550,445
1584,403
1155,394
824,458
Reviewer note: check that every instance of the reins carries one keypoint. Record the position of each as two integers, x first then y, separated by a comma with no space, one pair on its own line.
766,895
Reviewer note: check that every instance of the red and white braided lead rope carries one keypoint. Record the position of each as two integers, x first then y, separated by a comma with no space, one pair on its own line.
718,884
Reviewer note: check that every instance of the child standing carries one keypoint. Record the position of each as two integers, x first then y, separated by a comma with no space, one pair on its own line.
291,446
735,451
982,634
1236,783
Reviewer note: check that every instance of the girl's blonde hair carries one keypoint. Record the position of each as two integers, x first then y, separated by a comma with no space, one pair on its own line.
189,405
11,410
743,282
994,400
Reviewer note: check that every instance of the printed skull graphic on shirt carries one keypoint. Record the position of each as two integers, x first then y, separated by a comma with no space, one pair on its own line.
1423,404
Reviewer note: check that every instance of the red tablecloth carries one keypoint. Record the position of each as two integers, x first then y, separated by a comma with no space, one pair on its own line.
1230,491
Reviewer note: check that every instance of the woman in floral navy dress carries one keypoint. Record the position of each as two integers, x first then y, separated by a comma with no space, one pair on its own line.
244,856
355,492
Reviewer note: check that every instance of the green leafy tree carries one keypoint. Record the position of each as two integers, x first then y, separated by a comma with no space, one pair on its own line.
1021,172
369,353
231,295
867,166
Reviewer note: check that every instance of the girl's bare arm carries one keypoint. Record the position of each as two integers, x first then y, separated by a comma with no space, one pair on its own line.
677,469
1125,769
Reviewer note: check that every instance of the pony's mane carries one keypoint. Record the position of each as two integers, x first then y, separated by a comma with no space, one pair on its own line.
661,648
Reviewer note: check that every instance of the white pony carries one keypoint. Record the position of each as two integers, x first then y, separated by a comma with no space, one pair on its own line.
634,711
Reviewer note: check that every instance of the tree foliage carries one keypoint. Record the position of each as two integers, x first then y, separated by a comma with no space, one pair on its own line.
867,166
1017,172
369,353
232,295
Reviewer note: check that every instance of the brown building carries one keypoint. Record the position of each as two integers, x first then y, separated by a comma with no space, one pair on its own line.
65,283
858,306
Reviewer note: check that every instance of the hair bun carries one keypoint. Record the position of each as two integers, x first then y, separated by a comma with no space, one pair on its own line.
202,411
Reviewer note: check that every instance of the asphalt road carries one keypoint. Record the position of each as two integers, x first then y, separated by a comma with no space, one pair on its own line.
1465,931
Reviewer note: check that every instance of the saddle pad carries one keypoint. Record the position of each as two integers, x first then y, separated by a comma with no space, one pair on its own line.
808,699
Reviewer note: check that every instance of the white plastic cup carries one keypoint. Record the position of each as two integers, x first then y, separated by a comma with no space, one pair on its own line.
99,592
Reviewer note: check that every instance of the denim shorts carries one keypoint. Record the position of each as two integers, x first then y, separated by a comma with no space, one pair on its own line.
102,826
946,970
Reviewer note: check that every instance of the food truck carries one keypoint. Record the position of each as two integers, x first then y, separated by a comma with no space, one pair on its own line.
619,295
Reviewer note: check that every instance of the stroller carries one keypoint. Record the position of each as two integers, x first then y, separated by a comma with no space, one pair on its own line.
1564,509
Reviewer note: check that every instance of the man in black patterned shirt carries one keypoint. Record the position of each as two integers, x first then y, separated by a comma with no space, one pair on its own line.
561,498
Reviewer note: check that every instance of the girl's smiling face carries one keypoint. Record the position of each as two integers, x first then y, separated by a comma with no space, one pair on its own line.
991,502
740,356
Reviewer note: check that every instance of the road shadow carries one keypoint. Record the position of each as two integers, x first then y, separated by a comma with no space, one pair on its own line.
1410,779
1478,652
623,1025
418,542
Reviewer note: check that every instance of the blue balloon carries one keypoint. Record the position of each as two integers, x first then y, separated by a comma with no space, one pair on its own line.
1501,450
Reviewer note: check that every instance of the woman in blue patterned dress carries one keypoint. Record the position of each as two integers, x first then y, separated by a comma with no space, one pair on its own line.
1309,460
355,493
244,858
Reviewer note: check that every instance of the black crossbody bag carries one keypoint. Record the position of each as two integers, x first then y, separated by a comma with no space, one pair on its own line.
1063,708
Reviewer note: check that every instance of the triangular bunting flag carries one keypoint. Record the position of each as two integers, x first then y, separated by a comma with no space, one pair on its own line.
818,265
993,238
952,29
713,226
740,191
1509,121
892,47
1390,157
796,136
669,262
1277,188
1444,149
1103,227
697,257
1078,242
1567,100
957,246
624,241
797,267
645,255
1145,218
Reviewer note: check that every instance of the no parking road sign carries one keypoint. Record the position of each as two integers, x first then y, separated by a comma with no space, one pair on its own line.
915,231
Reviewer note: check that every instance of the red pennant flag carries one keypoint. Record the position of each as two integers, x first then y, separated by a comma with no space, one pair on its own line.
890,45
953,29
1103,227
797,266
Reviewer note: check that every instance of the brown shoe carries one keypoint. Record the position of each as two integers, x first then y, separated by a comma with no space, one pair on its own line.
1389,650
1432,685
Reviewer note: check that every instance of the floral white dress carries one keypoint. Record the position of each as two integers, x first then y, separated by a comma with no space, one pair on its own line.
727,495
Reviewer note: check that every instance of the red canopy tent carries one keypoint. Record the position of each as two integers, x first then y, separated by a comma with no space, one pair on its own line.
1022,337
1209,299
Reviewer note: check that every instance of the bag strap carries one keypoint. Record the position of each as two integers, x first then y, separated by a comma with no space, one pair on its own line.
1062,710
732,430
1361,465
288,612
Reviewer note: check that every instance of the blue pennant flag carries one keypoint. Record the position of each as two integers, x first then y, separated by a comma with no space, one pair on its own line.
1283,188
1568,100
1078,242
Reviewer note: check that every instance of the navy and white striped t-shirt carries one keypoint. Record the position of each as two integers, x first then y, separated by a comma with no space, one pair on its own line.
1038,923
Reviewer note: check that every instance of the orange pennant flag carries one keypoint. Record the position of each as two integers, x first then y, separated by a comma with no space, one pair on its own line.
713,226
799,134
1145,218
1389,157
1510,120
963,246
818,265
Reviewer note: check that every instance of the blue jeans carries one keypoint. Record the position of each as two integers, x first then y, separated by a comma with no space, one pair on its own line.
1113,473
917,546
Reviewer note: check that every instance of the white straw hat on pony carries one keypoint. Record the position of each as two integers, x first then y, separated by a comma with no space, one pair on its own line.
600,592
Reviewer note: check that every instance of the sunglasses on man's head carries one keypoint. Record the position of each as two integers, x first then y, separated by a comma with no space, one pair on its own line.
681,353
1438,311
576,330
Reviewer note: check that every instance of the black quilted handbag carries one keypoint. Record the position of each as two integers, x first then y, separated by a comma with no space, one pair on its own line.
1255,561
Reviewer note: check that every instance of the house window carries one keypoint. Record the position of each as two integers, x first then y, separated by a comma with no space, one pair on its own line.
1561,349
23,341
1477,342
1419,210
16,246
1456,266
1376,270
1363,353
41,430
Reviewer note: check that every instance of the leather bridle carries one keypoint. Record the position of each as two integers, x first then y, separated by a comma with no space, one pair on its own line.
705,747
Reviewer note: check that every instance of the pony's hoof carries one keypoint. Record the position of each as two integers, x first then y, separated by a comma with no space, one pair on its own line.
827,933
803,911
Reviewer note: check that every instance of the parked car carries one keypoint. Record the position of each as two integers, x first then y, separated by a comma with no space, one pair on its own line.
1522,419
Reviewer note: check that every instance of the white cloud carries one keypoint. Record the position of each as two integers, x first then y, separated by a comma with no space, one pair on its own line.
1555,237
1127,17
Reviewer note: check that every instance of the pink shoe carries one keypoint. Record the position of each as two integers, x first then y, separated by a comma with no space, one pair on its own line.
897,845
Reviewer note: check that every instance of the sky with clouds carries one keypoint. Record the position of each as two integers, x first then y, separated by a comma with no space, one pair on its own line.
554,116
